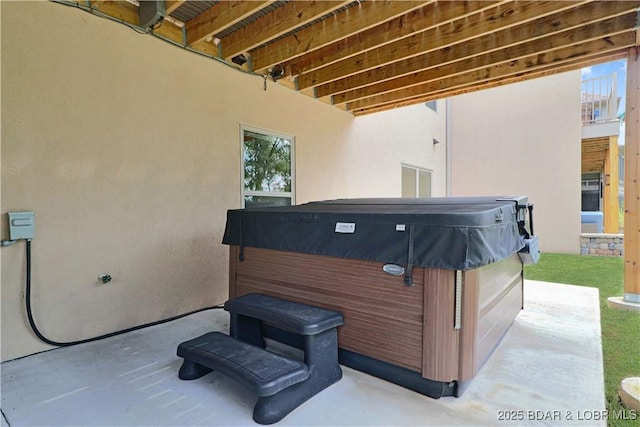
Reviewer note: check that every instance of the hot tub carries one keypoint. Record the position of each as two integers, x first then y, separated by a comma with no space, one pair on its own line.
428,287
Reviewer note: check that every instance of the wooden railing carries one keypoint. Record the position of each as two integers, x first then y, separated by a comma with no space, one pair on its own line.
599,99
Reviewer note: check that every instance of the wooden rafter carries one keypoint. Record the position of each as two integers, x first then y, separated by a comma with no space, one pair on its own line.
411,68
496,65
578,63
221,16
172,5
594,153
460,57
462,30
170,31
365,56
416,21
120,10
354,20
281,21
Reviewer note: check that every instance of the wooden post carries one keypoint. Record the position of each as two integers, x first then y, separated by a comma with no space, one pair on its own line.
632,180
611,178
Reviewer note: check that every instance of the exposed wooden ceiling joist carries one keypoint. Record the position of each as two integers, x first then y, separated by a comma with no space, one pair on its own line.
465,29
517,58
169,31
281,21
542,27
351,21
594,153
220,17
498,65
172,5
416,21
366,56
519,77
121,10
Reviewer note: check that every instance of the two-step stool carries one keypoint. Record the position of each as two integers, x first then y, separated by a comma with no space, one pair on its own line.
282,384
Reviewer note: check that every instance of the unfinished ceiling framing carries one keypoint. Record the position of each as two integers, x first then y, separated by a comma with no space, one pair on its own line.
372,55
594,153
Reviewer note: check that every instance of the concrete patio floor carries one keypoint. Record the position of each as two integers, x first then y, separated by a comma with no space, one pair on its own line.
546,371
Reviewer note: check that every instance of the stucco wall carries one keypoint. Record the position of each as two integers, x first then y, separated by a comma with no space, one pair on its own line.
524,139
127,149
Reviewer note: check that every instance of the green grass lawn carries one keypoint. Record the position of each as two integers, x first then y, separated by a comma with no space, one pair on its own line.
620,328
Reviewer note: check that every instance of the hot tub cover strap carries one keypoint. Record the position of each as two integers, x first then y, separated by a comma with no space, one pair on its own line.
408,277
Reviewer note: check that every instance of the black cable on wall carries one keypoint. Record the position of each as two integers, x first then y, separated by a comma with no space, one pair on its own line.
100,337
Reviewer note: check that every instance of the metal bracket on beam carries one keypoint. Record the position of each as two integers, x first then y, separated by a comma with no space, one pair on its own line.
249,63
220,48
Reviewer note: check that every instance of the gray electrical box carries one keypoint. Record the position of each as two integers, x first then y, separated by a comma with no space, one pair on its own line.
22,225
150,12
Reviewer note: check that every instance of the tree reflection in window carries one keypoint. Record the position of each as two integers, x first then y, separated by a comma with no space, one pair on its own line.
268,168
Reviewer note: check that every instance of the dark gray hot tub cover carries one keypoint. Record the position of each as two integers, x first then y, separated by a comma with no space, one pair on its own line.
449,233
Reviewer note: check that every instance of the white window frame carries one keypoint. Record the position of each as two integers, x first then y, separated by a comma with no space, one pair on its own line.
243,192
418,169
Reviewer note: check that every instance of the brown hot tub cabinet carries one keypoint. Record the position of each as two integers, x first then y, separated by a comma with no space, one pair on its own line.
428,287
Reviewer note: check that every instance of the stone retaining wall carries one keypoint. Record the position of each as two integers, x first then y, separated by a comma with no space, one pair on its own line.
602,244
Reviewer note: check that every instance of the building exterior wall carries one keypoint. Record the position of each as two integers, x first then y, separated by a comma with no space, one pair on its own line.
128,151
524,139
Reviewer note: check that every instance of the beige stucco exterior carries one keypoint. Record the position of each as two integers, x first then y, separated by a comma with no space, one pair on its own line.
128,151
524,138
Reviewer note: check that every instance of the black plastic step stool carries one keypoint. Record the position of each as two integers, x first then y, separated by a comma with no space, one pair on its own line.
282,384
262,371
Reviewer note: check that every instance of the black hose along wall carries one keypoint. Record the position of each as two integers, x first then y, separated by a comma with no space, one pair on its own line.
44,339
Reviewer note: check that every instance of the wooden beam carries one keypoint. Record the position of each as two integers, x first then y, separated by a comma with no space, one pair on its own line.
172,5
207,48
576,64
517,59
475,80
568,22
593,163
597,59
610,184
418,20
632,180
121,10
351,21
221,16
282,20
170,31
455,34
